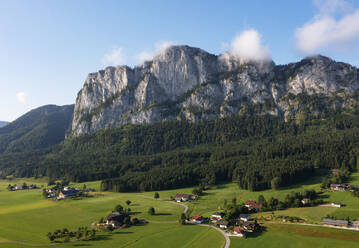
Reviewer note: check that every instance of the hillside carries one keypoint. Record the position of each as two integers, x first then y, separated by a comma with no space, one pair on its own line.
40,128
186,83
3,123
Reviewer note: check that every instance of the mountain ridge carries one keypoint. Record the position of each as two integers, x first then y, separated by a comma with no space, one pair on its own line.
186,83
42,127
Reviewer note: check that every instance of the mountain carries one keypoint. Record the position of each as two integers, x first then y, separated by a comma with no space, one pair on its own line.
40,128
3,123
186,83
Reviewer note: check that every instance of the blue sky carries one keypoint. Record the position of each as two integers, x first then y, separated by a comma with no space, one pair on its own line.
47,48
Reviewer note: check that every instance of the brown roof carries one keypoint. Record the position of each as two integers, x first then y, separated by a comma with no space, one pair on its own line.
250,202
197,217
238,229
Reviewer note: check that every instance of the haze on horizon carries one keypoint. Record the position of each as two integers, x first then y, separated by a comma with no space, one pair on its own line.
50,47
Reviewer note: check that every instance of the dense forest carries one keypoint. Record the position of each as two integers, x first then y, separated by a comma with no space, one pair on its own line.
257,152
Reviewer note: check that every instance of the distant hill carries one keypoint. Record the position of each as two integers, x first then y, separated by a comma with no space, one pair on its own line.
40,128
3,123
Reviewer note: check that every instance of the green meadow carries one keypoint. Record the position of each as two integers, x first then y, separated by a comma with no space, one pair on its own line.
26,218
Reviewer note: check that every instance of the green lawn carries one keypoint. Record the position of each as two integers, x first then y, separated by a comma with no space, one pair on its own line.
294,236
26,217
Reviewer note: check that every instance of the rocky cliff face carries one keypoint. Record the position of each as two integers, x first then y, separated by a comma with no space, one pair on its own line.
185,83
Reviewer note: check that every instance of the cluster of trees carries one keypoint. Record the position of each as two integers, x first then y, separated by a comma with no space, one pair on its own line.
65,235
257,152
24,186
341,177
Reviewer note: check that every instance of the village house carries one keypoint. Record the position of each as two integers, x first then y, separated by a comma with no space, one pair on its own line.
355,224
197,219
239,231
116,219
330,222
67,193
250,203
305,201
244,217
223,224
253,206
339,187
19,187
337,204
184,197
217,216
249,226
335,172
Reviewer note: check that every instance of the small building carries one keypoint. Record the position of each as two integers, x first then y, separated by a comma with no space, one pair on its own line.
67,193
239,231
249,226
244,217
255,207
355,224
19,187
337,204
250,203
116,219
197,219
305,201
331,222
217,216
335,172
223,224
339,187
182,197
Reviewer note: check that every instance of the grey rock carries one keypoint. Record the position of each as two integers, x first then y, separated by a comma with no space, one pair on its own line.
186,83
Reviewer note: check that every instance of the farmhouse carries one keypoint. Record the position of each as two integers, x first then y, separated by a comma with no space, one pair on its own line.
239,231
330,222
223,224
305,201
67,193
197,219
116,219
217,216
355,224
339,187
252,205
184,197
249,226
19,187
337,204
244,217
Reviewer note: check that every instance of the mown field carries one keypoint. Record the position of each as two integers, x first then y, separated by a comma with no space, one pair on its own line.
26,218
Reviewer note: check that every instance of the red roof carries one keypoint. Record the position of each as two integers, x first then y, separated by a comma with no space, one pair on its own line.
250,202
197,217
255,206
238,229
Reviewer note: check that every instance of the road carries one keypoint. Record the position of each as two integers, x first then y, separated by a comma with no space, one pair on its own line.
228,241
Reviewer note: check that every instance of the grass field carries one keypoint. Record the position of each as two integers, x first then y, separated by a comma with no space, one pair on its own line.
25,218
294,236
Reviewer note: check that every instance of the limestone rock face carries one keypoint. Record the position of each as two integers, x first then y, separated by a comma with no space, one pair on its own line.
186,83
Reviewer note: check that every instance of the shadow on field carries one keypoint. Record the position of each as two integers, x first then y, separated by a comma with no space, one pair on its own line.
256,234
81,245
163,214
221,186
134,205
134,213
116,233
100,237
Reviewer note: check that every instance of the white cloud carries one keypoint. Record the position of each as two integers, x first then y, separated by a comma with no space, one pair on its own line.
115,57
247,46
21,97
327,32
148,55
330,7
